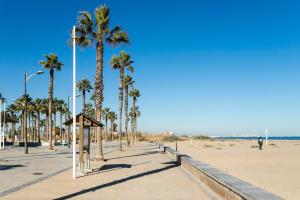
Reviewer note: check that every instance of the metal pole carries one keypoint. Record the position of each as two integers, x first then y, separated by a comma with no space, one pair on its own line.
25,113
4,110
74,103
1,124
68,134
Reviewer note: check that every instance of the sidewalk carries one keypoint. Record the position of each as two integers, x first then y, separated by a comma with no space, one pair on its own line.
139,172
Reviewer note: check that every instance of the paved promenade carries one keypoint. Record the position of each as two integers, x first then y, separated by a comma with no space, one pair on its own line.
18,170
139,172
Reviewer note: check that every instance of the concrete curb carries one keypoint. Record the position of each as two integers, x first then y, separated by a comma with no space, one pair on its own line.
225,185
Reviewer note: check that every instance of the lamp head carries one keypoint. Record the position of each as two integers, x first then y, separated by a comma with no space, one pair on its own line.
39,72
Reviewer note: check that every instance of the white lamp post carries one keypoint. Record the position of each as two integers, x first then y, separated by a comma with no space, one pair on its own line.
1,125
74,102
3,131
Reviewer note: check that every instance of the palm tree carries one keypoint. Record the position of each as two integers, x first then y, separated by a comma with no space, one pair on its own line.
12,111
135,94
55,109
20,102
97,31
112,117
45,111
105,112
38,108
128,83
121,63
62,109
134,114
52,63
90,111
84,86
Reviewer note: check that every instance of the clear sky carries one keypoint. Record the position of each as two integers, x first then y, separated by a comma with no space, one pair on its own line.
210,67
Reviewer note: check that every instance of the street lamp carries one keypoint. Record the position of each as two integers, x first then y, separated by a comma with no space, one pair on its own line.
26,79
74,102
2,132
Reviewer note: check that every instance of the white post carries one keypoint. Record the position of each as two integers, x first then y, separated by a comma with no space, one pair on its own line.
1,125
74,103
266,136
3,135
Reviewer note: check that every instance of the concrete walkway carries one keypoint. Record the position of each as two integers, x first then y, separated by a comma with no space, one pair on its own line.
18,170
139,172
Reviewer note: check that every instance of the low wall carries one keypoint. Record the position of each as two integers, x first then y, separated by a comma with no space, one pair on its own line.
225,185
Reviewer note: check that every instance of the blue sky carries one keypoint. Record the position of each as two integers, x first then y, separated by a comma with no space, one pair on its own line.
203,67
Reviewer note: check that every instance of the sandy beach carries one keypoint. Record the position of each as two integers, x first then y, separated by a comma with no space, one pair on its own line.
276,168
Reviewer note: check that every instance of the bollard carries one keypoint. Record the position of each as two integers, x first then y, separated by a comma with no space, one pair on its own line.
178,159
165,149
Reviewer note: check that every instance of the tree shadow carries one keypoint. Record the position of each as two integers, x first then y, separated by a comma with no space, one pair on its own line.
92,189
142,154
7,167
107,168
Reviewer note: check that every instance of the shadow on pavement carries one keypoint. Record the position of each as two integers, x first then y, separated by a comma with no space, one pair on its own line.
7,167
142,154
92,189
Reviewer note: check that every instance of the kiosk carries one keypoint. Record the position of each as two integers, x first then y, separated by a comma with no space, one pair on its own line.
84,123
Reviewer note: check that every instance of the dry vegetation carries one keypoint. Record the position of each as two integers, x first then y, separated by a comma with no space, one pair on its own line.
172,138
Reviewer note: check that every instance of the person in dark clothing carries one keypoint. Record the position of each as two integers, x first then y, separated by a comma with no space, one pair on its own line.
260,142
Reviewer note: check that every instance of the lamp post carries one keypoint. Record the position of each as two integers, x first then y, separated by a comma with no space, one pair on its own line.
1,125
74,102
26,79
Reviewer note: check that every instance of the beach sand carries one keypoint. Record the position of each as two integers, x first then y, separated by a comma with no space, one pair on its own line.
276,168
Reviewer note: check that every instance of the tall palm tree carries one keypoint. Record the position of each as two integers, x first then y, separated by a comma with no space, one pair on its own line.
134,114
51,63
97,31
128,82
84,86
105,112
112,117
121,62
135,94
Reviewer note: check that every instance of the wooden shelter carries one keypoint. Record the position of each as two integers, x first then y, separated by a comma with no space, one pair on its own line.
84,123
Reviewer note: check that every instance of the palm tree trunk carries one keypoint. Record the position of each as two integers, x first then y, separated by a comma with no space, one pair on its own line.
112,130
47,127
132,129
29,128
121,86
60,126
99,96
83,101
99,153
22,126
134,117
126,114
54,126
106,127
50,108
38,126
